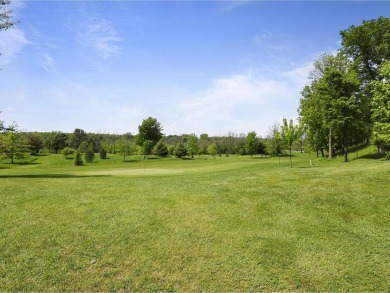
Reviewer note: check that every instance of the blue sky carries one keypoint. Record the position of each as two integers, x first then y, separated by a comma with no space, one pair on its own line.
197,66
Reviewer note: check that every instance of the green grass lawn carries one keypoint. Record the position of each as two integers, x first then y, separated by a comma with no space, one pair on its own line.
224,224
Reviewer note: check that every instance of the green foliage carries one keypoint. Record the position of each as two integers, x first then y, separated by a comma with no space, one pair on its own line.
212,149
77,138
68,152
6,19
149,130
192,145
381,107
13,145
160,149
78,161
89,155
35,142
251,143
180,150
103,154
126,148
171,150
289,133
56,141
84,147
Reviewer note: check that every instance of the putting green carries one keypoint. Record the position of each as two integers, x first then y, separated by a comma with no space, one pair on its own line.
135,172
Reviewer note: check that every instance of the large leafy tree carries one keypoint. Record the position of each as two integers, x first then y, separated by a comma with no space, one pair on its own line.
78,136
35,142
381,107
56,141
149,133
251,143
368,46
343,113
289,133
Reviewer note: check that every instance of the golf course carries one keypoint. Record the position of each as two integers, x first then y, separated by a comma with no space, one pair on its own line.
237,223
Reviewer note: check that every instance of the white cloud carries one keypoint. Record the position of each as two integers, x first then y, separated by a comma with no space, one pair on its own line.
243,102
101,36
12,42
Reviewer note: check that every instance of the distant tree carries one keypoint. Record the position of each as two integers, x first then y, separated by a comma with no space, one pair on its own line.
160,149
126,148
212,149
78,137
180,150
12,144
275,143
289,133
149,130
147,147
67,152
6,19
35,143
171,150
103,154
381,108
57,141
89,155
251,143
192,145
84,147
78,161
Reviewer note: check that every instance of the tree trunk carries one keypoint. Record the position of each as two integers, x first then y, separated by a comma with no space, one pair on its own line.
317,152
322,152
330,144
290,158
345,149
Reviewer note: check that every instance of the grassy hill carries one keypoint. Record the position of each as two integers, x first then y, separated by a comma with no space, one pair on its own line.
225,224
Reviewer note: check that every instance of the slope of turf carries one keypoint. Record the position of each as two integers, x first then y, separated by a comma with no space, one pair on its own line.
224,224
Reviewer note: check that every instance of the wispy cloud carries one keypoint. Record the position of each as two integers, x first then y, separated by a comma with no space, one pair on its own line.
271,41
12,42
242,102
101,36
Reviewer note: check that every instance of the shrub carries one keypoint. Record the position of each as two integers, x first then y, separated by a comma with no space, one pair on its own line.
67,152
103,154
78,161
180,150
89,155
161,149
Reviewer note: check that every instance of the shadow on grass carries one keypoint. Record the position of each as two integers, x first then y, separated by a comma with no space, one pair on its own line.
372,156
52,176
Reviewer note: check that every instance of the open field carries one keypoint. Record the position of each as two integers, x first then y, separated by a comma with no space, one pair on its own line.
224,224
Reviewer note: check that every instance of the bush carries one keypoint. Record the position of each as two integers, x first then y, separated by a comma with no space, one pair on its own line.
89,155
161,149
103,154
78,161
67,152
180,151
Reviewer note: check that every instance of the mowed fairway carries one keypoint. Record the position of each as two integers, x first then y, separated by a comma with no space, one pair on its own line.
224,224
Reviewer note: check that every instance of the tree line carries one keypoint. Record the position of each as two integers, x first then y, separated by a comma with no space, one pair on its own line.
347,102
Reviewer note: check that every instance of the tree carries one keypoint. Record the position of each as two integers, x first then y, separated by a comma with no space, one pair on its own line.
89,155
192,145
57,141
6,20
126,148
381,108
67,152
12,144
78,161
149,130
161,149
78,137
180,150
103,154
275,143
212,149
343,114
289,133
35,143
251,143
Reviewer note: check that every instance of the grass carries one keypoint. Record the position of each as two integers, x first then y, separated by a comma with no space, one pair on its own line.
224,224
